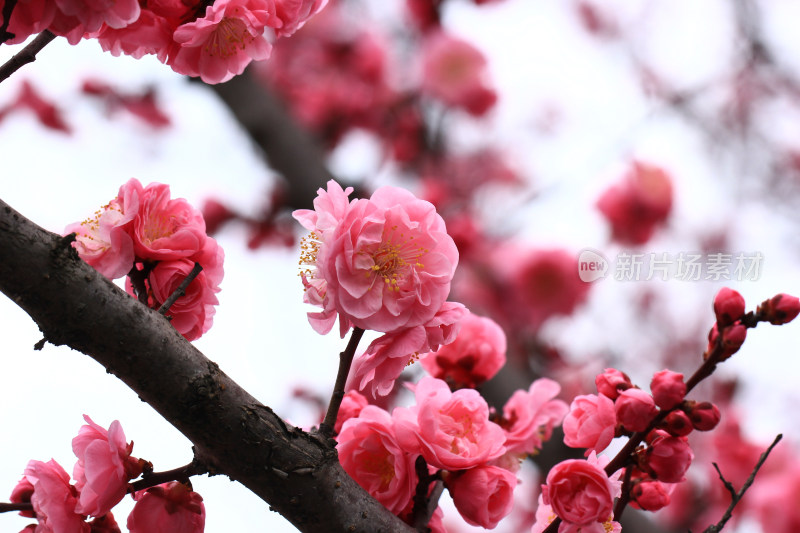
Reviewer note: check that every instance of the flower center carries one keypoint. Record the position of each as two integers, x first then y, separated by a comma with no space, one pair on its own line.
395,258
309,248
228,38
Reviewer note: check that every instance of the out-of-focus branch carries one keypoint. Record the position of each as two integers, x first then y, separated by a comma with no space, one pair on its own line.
289,149
297,473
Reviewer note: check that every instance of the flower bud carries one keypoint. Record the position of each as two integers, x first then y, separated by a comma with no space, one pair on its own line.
669,457
677,424
780,309
611,382
704,416
635,409
733,337
650,495
728,306
668,388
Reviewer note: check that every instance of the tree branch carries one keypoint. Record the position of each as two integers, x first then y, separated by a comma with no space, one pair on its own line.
26,55
297,473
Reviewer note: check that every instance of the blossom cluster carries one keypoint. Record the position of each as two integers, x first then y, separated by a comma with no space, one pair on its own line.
458,442
582,493
156,240
102,474
212,40
383,264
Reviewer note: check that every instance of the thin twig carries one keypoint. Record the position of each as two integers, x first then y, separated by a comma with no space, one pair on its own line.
26,55
737,496
181,290
182,474
11,507
425,503
345,361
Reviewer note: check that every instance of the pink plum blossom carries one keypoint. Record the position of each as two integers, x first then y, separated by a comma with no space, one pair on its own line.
104,467
293,14
704,415
475,356
93,14
370,452
167,508
780,309
483,495
167,228
22,493
104,241
221,44
650,495
353,403
580,493
590,423
668,388
529,416
455,72
386,266
635,409
451,430
54,499
385,358
611,382
729,306
668,457
639,204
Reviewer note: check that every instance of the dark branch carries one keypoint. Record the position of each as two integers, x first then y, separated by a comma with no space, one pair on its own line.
736,497
183,473
181,290
298,474
345,362
8,10
11,507
26,55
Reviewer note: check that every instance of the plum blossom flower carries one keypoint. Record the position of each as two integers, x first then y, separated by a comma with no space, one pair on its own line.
483,495
386,357
352,405
54,499
93,14
635,409
729,306
590,423
529,416
455,72
104,467
451,430
104,241
581,493
639,204
167,508
668,457
370,452
475,356
545,515
668,388
385,266
293,14
221,44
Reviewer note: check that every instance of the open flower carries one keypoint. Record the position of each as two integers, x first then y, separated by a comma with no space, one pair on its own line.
382,264
104,467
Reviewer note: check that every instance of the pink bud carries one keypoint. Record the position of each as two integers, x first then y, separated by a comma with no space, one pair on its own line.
668,388
483,495
677,424
728,306
669,457
733,337
611,382
635,409
704,416
650,495
780,309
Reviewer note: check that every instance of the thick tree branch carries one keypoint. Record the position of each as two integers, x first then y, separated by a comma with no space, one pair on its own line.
289,148
233,434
